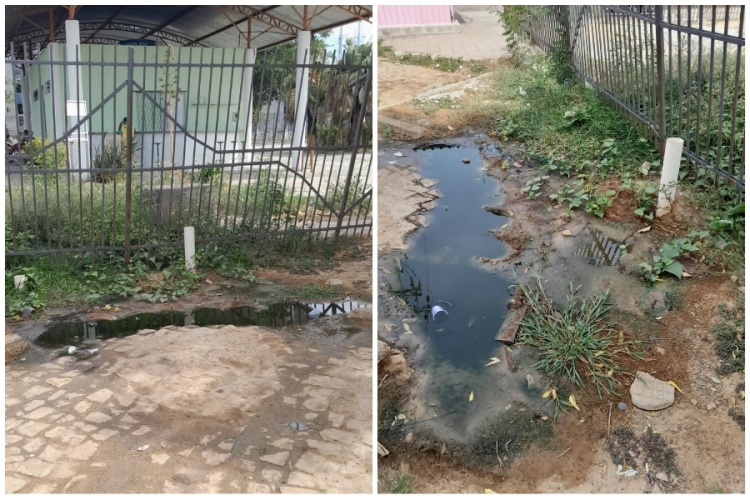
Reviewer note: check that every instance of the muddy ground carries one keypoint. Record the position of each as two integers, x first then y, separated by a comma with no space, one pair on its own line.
675,317
200,409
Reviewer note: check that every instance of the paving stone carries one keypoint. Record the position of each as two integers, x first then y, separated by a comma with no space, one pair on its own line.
83,451
310,462
33,445
186,453
31,467
336,419
278,459
73,481
58,381
12,423
104,434
13,402
97,417
248,465
341,436
144,429
85,427
12,439
359,425
649,393
295,489
51,454
187,475
160,458
35,391
257,488
33,405
12,450
126,422
31,429
325,448
213,458
64,470
272,476
44,489
283,443
226,445
100,396
13,484
40,413
125,399
207,439
290,400
297,478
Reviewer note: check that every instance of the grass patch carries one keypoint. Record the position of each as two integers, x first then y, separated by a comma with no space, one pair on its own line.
629,450
310,292
401,483
730,339
575,341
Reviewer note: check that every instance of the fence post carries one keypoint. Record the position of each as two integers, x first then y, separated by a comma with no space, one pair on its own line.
355,147
129,155
662,124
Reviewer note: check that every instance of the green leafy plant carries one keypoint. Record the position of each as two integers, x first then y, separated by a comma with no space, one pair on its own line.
573,193
51,158
575,341
666,261
645,200
534,186
27,296
506,129
207,174
731,223
730,339
577,116
596,204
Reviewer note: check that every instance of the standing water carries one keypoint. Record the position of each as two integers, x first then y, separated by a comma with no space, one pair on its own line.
442,263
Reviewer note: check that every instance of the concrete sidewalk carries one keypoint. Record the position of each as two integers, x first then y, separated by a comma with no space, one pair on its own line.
481,37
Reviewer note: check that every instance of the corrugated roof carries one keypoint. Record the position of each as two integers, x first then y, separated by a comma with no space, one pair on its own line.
187,25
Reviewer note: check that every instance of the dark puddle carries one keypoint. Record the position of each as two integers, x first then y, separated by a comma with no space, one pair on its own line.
439,267
600,250
276,315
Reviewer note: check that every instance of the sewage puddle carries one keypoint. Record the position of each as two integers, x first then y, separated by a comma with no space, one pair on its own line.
276,315
439,268
600,250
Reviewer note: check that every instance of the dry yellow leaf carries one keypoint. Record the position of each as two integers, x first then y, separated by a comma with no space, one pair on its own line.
471,396
546,394
492,361
487,490
554,394
406,328
572,401
670,382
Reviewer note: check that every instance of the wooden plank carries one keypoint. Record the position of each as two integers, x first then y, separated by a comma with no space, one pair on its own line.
507,332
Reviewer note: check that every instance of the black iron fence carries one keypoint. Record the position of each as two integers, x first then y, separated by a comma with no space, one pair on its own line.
678,70
129,145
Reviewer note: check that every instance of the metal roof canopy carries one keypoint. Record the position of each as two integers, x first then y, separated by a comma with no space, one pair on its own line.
186,25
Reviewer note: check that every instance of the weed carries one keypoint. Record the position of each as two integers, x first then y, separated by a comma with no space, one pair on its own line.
508,129
596,204
386,131
629,450
575,341
645,200
401,483
666,261
207,174
572,193
730,224
534,186
730,339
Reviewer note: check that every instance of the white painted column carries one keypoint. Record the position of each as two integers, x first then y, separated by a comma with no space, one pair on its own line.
53,121
669,174
300,97
78,144
247,99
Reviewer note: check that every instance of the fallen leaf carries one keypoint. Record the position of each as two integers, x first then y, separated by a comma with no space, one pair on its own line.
567,233
673,384
572,401
108,307
507,348
492,361
487,490
742,394
117,309
471,396
388,328
406,327
644,230
686,275
554,394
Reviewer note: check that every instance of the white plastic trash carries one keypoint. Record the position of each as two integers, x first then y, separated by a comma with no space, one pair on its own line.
315,313
439,314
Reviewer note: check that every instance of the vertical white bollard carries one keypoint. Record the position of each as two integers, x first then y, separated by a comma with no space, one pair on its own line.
669,173
190,248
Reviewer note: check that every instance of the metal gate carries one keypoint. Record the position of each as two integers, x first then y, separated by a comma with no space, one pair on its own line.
132,144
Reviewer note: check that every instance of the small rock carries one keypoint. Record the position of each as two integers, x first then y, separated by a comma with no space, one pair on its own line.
567,233
143,448
694,402
622,406
335,282
466,160
662,476
409,438
734,278
661,350
401,416
715,380
398,153
710,406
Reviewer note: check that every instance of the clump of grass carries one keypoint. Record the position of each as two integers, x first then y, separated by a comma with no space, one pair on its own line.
401,483
575,341
730,340
625,448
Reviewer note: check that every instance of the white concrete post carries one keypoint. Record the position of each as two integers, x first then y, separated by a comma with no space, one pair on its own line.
54,123
669,174
190,248
247,99
301,92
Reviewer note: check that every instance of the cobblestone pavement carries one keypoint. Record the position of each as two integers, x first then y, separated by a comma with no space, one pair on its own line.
197,409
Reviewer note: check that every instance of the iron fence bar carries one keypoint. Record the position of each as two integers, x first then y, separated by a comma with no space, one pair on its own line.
660,80
129,157
735,97
710,98
720,138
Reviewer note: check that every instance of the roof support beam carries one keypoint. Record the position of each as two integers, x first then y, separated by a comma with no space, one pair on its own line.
36,35
263,16
171,20
109,20
358,11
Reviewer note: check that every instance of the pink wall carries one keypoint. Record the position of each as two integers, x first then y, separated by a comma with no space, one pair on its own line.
395,15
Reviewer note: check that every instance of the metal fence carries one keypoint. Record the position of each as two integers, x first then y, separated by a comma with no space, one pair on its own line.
678,70
211,139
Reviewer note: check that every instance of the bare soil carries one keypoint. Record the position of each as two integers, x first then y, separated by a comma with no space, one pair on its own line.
678,317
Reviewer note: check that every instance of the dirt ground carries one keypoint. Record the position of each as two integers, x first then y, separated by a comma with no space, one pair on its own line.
708,443
200,409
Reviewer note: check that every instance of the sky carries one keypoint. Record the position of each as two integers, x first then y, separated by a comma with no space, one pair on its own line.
352,30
